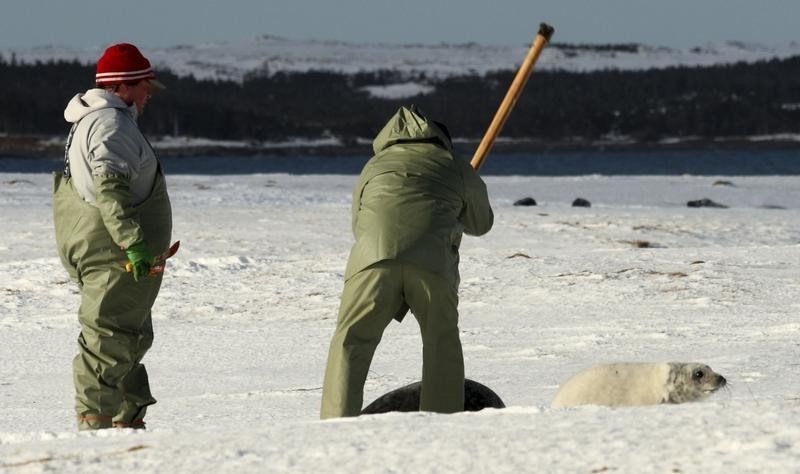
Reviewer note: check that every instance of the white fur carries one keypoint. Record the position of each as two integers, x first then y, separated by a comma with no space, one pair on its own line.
617,384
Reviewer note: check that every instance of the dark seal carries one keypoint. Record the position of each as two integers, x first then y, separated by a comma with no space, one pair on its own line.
476,397
526,201
705,202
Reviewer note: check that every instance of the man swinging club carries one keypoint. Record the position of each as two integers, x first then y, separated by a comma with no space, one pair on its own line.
413,200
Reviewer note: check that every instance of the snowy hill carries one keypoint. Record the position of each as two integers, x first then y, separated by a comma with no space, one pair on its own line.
270,54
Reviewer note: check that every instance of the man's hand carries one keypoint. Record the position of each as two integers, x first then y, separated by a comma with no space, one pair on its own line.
141,259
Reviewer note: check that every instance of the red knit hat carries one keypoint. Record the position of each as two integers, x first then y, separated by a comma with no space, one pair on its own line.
123,64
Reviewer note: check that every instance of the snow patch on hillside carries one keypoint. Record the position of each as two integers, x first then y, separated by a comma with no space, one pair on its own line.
270,54
398,91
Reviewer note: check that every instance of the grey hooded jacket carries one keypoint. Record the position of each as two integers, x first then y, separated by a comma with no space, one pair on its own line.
112,165
107,142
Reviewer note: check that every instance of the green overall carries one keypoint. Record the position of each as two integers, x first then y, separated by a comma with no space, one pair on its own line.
412,203
111,384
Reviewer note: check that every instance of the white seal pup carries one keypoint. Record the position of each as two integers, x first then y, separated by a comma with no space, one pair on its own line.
639,383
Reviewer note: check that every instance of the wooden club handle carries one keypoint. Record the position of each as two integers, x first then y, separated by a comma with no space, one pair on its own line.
524,72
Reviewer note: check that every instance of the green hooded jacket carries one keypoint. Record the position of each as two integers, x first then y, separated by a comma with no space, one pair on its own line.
414,199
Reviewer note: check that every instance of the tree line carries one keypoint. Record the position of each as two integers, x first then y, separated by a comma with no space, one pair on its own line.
706,102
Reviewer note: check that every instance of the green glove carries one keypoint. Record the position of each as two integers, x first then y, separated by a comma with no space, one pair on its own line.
141,259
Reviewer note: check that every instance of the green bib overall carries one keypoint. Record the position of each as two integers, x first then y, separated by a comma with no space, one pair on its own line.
111,384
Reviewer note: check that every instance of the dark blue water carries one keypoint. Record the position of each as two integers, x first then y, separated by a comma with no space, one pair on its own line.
721,162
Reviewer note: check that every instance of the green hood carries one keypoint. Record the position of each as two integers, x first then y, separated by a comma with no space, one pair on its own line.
409,125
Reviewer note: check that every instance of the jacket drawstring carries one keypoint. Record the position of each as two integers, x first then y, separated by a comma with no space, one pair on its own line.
67,173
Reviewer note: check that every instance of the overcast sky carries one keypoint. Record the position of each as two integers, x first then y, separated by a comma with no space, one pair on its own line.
162,23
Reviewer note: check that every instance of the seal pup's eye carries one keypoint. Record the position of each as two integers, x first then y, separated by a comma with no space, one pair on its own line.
698,374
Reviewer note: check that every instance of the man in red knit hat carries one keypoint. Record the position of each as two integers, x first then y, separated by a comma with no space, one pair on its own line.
111,207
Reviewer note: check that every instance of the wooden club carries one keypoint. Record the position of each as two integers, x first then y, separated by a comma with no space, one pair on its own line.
524,72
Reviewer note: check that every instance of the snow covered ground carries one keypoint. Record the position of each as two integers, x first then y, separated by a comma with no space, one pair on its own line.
249,303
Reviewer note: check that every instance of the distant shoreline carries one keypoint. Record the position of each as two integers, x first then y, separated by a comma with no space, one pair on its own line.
696,157
48,147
